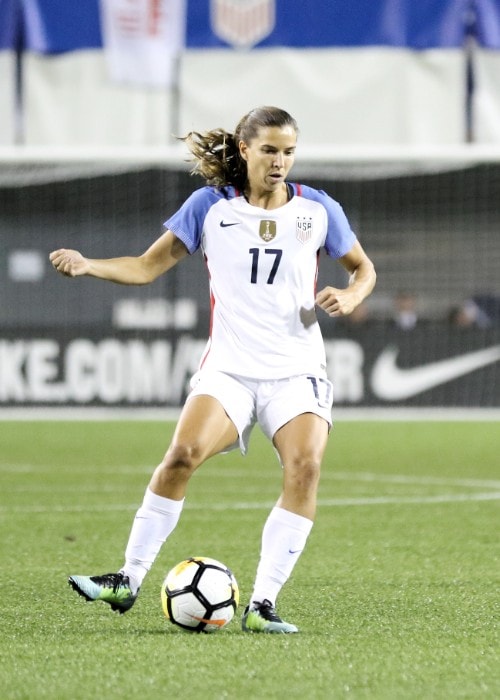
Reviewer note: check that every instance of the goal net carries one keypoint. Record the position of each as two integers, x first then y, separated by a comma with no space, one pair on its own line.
428,336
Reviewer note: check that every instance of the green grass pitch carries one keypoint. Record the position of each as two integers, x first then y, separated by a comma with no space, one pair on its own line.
396,595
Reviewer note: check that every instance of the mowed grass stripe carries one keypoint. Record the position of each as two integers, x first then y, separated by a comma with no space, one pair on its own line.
322,503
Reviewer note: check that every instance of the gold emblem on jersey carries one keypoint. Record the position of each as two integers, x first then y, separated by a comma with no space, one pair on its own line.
304,229
267,230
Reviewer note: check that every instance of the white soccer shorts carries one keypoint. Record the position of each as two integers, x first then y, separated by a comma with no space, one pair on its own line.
271,404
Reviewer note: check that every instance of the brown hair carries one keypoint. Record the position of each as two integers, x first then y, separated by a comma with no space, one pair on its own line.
216,153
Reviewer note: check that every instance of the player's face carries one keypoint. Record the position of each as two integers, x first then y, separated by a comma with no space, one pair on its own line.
269,157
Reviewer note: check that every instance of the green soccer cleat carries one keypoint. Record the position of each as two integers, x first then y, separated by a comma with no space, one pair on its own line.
111,588
262,617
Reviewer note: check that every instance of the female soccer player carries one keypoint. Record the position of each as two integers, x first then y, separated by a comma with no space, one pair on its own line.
264,361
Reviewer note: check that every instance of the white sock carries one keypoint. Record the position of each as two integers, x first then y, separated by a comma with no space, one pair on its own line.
153,523
283,539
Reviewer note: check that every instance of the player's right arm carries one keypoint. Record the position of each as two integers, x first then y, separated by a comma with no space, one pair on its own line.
161,256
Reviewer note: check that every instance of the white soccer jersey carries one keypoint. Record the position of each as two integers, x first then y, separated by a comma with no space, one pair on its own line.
263,268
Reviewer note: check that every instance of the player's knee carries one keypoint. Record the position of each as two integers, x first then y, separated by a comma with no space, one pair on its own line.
304,471
181,457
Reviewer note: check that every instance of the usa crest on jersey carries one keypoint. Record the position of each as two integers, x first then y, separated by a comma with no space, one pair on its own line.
304,229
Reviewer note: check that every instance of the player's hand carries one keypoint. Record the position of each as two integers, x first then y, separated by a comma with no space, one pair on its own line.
69,262
337,302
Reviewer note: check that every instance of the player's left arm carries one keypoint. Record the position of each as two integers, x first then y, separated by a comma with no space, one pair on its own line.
362,277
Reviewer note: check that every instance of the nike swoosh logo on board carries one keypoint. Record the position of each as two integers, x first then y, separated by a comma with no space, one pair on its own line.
393,383
224,224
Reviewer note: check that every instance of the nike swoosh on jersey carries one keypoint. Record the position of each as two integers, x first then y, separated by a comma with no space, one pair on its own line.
393,383
224,224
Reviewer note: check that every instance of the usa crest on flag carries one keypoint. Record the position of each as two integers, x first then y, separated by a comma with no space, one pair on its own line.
243,23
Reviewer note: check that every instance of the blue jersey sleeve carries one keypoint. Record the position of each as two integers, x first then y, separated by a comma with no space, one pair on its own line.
339,238
187,222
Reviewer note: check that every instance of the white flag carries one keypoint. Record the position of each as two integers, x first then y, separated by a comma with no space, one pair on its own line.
142,39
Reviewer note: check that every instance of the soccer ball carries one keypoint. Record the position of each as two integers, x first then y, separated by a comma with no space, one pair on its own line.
200,595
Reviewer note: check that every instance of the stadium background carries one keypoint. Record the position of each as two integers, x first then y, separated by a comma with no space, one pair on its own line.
399,110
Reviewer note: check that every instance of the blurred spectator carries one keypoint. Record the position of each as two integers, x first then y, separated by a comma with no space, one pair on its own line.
405,311
489,305
469,315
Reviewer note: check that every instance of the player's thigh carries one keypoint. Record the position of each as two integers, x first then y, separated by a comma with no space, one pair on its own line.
204,427
301,443
237,397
